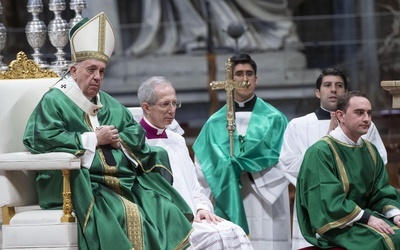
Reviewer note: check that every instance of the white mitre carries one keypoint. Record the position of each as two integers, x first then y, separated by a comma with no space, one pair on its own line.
92,39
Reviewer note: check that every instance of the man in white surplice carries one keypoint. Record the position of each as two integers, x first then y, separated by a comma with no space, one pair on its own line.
158,102
247,187
304,131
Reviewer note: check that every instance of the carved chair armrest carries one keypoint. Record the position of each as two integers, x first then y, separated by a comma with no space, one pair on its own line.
19,161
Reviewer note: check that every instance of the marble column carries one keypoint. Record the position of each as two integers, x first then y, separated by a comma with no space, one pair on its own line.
369,56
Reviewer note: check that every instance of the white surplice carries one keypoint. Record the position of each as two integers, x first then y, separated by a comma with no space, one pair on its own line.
224,235
266,201
300,134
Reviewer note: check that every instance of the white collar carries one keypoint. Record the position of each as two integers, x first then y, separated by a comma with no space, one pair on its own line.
159,130
241,104
72,90
339,135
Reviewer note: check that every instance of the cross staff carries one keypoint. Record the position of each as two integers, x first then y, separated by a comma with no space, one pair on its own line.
229,85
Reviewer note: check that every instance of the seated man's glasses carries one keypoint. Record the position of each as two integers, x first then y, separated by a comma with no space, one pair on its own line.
165,105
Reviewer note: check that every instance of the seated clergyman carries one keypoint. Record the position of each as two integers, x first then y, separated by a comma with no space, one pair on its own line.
120,199
343,196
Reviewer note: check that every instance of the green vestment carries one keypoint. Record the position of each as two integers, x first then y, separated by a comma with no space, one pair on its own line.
335,183
256,151
117,207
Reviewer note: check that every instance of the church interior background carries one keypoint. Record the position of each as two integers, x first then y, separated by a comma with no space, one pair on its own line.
188,42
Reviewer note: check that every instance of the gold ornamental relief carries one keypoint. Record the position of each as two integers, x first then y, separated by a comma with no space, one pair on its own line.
24,68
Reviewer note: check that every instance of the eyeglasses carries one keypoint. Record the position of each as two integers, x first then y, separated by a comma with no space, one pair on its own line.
165,105
242,73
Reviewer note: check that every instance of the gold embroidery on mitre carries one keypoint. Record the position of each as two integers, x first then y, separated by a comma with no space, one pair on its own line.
102,33
85,55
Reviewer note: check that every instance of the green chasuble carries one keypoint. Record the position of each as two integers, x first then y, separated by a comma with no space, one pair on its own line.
117,207
257,150
335,183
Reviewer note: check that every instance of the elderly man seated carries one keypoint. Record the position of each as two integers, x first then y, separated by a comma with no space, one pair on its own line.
158,101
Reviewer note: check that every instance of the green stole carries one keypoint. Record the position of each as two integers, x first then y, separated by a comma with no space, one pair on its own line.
257,150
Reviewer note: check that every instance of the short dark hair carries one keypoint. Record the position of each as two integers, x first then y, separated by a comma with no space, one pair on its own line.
242,59
343,100
330,72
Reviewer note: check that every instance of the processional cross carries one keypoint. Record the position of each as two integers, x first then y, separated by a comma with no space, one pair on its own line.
229,85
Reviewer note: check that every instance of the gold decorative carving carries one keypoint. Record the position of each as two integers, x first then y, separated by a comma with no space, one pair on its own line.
67,200
7,214
24,68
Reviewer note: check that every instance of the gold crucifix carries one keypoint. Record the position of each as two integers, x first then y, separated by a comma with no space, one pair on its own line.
229,85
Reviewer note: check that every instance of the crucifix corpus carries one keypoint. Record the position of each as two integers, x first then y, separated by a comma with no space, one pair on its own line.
229,85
